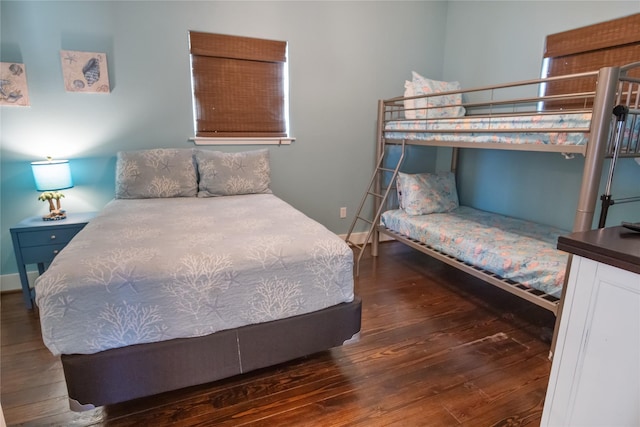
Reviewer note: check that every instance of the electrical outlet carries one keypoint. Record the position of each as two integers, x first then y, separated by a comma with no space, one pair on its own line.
343,212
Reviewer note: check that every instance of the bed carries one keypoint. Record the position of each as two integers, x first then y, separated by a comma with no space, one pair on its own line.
193,273
592,113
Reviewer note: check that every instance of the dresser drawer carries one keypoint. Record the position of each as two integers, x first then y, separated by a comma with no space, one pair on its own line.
37,254
48,237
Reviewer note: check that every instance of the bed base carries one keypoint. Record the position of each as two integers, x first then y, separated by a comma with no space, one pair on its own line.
126,373
535,296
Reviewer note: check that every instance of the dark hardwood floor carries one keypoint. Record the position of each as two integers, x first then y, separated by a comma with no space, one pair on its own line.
438,348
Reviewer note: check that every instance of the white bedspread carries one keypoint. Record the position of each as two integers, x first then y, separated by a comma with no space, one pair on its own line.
156,269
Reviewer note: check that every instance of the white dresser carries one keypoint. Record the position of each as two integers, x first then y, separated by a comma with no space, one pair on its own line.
595,374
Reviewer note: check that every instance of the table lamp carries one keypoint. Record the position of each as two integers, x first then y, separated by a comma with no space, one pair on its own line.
51,176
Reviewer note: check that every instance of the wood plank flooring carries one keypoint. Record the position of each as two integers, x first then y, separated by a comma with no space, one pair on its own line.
438,348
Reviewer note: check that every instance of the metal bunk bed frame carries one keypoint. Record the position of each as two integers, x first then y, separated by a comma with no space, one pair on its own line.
614,87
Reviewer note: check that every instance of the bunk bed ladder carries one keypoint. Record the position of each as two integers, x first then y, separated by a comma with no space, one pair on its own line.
378,192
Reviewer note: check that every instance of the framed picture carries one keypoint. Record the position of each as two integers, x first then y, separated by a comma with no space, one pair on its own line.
13,84
85,71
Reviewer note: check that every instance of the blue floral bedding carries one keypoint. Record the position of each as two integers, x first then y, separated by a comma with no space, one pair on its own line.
395,129
147,270
512,248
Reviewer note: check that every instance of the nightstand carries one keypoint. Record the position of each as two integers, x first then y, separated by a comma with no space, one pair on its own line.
37,242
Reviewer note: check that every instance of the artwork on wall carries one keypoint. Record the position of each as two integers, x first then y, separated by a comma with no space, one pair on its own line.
13,84
85,71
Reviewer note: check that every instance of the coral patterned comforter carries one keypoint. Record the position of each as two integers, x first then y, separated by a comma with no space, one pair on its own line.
147,270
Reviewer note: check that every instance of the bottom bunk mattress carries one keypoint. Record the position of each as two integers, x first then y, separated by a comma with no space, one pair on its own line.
151,270
514,249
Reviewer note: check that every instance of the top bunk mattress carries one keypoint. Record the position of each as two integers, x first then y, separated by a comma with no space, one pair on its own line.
514,249
518,129
148,270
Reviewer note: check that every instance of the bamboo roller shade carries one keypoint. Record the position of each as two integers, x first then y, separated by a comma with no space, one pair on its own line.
238,85
610,43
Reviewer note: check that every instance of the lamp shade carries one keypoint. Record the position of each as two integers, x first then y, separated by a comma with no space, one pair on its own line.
52,175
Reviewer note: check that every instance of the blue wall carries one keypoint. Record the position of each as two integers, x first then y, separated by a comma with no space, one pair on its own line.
539,186
343,57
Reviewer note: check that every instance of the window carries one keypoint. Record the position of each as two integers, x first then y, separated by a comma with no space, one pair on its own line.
240,89
615,42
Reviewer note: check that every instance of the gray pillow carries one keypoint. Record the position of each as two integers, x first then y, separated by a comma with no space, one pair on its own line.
157,173
228,174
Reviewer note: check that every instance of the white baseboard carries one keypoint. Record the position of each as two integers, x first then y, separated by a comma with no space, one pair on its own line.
358,238
11,282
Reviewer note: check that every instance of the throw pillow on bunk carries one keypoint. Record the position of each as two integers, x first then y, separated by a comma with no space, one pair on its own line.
432,107
409,104
426,193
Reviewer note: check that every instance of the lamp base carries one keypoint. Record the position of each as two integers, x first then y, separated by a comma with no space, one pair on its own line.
55,215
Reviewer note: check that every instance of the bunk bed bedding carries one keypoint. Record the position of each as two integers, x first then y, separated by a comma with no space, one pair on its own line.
147,270
495,129
514,249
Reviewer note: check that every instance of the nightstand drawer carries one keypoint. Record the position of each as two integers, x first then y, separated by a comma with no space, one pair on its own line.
36,254
47,237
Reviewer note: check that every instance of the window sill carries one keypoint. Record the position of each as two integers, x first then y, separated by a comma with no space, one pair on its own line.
242,141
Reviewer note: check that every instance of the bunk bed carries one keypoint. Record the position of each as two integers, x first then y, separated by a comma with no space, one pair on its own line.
594,114
497,248
193,273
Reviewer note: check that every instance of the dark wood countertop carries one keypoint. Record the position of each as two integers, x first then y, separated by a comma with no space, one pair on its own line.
616,246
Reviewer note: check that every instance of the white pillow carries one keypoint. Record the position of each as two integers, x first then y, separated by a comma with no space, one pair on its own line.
425,86
409,104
